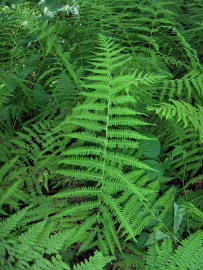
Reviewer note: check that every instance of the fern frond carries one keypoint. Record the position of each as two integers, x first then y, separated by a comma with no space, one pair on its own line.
78,207
98,261
5,145
147,213
85,229
91,191
196,197
194,211
11,192
7,166
181,111
10,223
30,246
181,258
110,231
106,112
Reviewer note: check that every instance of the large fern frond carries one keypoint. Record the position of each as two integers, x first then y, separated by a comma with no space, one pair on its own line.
106,125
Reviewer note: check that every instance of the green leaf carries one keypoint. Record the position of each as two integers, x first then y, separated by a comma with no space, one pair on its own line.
155,165
151,148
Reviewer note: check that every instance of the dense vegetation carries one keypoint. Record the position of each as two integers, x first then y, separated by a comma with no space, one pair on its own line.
101,134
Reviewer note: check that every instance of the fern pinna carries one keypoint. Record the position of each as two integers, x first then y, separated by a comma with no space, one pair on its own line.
103,156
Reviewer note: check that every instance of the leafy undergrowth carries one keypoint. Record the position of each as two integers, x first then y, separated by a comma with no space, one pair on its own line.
101,134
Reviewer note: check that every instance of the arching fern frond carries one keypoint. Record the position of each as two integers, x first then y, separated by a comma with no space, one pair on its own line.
104,126
191,53
190,82
181,111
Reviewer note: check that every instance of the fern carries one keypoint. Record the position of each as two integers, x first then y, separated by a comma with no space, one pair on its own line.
192,82
101,120
79,152
96,262
26,251
186,256
184,158
5,145
194,27
10,191
182,111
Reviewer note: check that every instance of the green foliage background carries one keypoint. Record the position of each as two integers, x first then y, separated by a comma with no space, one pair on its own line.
101,134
